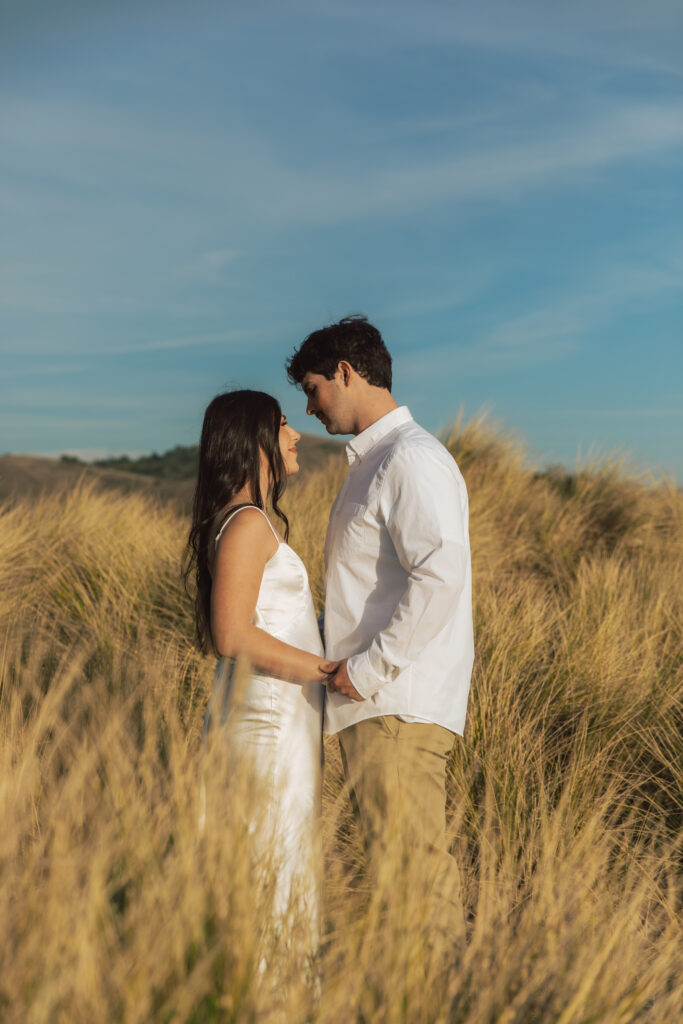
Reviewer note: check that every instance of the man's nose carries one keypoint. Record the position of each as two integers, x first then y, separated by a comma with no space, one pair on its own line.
309,408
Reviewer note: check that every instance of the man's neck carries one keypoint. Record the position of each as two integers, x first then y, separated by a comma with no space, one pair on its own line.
378,405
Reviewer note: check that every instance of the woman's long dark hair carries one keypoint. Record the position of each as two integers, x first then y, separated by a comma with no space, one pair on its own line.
238,426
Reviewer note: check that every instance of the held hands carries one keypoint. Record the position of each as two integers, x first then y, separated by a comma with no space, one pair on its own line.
337,680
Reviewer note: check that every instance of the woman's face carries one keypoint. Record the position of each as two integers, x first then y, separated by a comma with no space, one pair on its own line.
288,439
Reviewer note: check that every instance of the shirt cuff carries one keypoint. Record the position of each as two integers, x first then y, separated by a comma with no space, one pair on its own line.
362,675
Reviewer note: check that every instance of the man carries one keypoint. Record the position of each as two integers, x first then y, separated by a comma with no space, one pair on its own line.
398,606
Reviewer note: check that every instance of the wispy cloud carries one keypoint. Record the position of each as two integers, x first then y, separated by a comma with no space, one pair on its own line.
42,372
96,350
262,185
612,33
209,266
625,134
191,341
629,413
552,331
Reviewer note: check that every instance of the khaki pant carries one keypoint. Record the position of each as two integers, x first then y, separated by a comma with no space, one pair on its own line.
396,772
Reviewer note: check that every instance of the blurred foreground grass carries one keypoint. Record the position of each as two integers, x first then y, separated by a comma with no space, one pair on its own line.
565,795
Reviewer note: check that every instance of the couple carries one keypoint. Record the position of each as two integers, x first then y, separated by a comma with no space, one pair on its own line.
394,677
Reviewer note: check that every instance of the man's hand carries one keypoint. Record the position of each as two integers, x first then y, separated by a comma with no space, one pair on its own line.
339,682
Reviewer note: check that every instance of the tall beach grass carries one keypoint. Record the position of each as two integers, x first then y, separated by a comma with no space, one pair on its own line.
564,796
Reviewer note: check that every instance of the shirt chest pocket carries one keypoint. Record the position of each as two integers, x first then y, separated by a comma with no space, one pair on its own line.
351,529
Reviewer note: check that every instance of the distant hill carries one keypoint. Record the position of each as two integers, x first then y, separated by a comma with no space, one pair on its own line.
169,476
180,463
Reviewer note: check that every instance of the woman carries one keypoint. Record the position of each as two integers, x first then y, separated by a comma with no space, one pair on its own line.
253,598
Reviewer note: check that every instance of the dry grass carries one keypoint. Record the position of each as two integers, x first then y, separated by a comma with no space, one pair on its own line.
565,797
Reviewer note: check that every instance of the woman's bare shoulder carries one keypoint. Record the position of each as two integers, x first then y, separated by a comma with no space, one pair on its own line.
247,528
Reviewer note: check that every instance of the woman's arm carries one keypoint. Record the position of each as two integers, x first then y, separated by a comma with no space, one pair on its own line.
246,545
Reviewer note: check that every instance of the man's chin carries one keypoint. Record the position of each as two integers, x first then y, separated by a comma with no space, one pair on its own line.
331,427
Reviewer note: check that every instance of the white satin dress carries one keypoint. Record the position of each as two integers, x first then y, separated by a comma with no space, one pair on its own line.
276,727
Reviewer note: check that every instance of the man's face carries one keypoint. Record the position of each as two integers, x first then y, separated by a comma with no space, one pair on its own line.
328,400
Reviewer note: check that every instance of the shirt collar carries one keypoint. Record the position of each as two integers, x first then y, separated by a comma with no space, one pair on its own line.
368,438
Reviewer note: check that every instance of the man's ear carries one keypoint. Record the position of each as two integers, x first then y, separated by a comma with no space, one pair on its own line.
345,372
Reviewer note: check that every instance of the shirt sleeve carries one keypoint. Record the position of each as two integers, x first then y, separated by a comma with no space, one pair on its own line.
424,507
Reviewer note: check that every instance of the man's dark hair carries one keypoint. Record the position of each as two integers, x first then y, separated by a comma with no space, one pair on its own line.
353,339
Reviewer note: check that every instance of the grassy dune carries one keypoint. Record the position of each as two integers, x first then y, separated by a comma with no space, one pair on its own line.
564,797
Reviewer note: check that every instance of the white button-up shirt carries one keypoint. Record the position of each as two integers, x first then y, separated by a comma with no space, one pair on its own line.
398,579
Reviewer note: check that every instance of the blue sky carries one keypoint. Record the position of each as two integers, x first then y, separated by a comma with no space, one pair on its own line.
188,189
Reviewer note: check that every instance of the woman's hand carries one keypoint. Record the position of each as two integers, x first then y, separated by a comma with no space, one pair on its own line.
339,682
327,669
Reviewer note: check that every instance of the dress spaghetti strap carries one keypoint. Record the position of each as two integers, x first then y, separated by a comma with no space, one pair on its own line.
238,508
